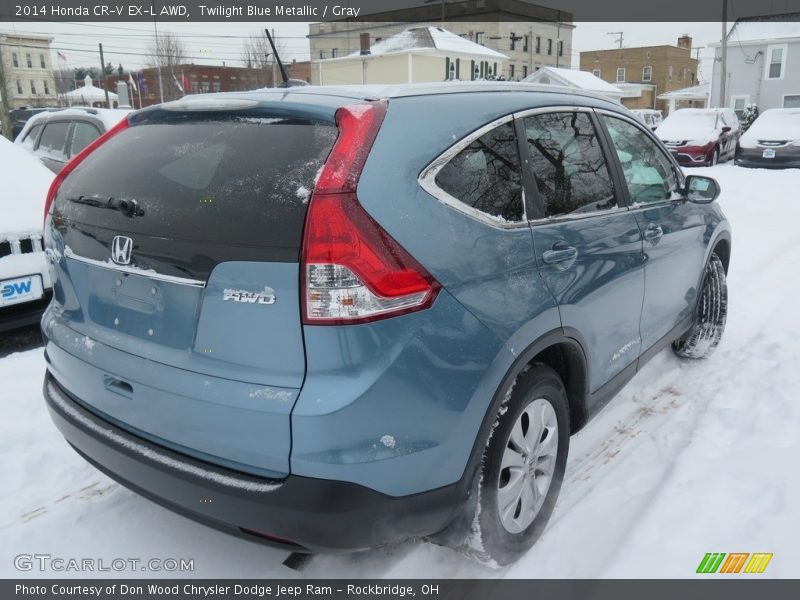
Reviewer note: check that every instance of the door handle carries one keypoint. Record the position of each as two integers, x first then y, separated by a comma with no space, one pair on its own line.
561,255
653,233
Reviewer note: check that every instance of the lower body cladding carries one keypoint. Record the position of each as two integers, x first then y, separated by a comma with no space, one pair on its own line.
382,432
769,158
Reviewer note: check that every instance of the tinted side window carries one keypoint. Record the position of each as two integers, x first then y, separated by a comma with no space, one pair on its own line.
54,139
648,172
568,164
83,134
30,137
486,175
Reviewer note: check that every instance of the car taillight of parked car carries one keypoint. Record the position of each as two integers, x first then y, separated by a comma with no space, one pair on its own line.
353,271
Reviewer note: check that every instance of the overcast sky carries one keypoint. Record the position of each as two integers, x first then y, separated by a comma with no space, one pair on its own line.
213,43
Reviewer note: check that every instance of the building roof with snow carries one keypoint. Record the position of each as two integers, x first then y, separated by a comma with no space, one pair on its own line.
695,92
89,92
431,38
573,78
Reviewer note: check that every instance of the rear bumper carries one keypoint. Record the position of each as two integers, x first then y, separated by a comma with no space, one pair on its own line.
26,313
300,514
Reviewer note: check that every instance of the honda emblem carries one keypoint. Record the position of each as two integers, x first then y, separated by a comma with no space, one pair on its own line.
121,249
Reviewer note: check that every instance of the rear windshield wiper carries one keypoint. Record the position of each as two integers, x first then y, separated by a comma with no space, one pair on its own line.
129,208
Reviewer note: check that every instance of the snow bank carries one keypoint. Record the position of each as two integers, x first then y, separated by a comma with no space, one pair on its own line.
24,182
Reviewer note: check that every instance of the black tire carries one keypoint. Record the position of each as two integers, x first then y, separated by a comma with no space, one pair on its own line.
489,541
714,157
710,314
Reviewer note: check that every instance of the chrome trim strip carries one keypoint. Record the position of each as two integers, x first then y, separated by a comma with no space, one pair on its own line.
550,109
133,270
427,180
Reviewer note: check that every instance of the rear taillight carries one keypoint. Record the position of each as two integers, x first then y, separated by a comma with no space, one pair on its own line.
353,270
76,160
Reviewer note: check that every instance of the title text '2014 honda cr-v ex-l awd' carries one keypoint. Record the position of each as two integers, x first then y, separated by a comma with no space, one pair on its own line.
335,318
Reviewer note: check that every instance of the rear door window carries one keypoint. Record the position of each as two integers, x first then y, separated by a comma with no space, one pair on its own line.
487,176
30,138
53,142
571,173
83,134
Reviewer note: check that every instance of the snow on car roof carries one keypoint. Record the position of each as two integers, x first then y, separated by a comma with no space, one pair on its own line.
109,116
25,184
436,38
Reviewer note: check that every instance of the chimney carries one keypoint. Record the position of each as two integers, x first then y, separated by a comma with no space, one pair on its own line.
685,42
364,44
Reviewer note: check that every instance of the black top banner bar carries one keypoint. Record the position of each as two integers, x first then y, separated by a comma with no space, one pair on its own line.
410,11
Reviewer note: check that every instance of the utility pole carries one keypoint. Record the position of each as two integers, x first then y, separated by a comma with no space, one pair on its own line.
158,55
723,76
105,76
5,114
619,39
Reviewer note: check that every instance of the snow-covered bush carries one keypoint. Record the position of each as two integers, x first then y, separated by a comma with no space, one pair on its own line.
749,114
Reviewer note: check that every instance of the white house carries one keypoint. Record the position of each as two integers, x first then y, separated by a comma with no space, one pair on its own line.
582,80
415,55
763,64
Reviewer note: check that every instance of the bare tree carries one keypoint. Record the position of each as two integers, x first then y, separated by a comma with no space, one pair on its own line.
168,52
257,54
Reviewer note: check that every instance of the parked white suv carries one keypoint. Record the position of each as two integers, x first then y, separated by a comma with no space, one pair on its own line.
25,284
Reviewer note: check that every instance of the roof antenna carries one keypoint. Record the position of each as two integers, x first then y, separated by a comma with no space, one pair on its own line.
284,76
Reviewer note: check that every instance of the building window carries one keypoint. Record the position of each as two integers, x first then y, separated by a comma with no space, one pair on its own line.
648,54
46,88
511,71
620,74
538,44
479,38
216,86
524,71
29,60
738,104
647,74
561,47
525,43
596,73
15,60
549,46
205,86
19,88
321,54
669,73
777,61
791,101
41,61
334,52
513,41
33,88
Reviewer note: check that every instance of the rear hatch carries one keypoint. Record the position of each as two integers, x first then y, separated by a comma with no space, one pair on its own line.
180,240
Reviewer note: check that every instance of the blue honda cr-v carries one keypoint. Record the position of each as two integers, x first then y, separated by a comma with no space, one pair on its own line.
334,318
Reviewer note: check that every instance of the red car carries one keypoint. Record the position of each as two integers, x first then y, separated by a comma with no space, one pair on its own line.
700,137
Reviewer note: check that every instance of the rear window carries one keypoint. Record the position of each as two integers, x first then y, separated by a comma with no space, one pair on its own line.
221,180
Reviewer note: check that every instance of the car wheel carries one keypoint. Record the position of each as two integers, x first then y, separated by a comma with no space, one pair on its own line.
710,314
522,468
714,157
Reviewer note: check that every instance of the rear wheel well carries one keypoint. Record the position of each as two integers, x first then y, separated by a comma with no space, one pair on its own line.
723,250
567,360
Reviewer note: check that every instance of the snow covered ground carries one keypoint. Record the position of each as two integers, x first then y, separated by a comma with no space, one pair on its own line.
691,457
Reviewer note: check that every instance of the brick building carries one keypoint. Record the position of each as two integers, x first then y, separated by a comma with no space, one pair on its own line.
206,79
644,73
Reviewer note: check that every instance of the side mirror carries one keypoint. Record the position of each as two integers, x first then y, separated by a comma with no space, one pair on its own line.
726,129
700,189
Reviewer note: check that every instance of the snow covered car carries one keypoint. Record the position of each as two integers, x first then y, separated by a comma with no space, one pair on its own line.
773,140
650,117
54,137
699,137
25,285
317,318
